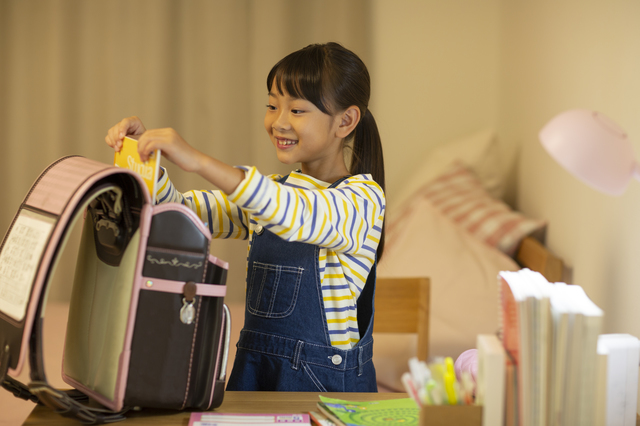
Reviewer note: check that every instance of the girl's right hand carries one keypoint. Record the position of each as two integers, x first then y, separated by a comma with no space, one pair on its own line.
126,127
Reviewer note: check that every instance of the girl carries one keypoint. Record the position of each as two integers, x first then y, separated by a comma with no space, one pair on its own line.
315,235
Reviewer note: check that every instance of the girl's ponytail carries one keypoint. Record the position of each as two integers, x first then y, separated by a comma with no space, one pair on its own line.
367,150
367,157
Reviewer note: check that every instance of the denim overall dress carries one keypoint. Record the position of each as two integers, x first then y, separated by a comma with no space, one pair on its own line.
284,344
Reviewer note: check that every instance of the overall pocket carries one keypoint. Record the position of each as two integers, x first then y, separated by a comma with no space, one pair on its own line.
273,289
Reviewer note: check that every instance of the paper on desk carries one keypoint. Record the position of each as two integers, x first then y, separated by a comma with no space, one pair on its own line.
235,419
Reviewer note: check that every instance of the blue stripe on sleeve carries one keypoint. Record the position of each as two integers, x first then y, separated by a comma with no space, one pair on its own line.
261,212
358,262
337,226
241,216
342,309
350,329
209,216
260,183
162,200
335,287
336,209
380,203
353,220
293,186
286,209
353,225
231,228
304,207
313,216
370,249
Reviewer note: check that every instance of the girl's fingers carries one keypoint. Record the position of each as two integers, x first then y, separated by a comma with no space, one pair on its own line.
144,147
173,148
132,126
152,140
128,126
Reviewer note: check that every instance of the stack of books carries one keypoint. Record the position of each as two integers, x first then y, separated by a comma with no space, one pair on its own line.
548,357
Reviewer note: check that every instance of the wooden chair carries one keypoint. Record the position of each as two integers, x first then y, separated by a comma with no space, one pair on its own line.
402,306
533,255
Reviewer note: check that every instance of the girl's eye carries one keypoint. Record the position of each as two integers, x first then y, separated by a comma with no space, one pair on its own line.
271,107
297,111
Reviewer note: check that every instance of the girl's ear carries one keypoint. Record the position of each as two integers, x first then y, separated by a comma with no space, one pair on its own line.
349,120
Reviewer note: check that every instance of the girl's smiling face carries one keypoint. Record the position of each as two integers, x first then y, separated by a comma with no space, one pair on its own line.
301,133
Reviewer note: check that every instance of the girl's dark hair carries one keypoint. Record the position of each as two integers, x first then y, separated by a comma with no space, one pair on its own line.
334,78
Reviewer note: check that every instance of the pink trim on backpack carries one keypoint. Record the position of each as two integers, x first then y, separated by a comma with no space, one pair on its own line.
61,199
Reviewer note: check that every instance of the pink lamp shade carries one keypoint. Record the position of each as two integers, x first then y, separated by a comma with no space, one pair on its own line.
593,148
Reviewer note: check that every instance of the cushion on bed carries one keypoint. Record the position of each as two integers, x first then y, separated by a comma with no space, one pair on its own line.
459,195
464,292
479,151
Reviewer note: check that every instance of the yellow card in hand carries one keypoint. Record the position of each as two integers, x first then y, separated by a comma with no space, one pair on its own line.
128,158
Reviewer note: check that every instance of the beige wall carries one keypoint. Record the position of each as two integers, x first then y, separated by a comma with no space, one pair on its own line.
443,69
70,69
566,54
435,72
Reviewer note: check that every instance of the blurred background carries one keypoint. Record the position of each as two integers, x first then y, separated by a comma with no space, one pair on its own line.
70,69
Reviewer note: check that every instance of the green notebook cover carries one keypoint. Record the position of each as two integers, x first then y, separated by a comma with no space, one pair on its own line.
403,411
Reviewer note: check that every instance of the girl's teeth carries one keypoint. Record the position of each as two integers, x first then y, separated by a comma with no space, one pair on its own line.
287,142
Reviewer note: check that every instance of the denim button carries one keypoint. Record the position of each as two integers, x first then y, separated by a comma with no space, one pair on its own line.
259,229
336,359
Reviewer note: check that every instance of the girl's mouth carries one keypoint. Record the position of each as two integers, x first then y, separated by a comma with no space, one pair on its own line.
283,143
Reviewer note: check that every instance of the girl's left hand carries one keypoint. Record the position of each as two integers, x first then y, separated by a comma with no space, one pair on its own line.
173,147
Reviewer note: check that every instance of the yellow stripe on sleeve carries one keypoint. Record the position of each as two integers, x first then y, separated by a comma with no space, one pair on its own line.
373,210
275,210
337,298
328,205
197,203
220,220
324,221
293,217
346,235
166,182
246,184
311,181
346,265
334,276
341,320
227,206
344,342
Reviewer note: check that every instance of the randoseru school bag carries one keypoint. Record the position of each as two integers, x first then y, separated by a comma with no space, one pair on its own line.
147,323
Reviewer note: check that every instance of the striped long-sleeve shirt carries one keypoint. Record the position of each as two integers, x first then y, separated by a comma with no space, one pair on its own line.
345,222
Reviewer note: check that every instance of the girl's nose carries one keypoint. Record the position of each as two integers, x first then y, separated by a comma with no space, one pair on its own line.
282,122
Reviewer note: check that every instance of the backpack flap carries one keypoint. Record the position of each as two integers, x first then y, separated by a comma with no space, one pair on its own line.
36,237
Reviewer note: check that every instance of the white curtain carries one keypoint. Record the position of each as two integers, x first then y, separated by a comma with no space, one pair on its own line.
70,69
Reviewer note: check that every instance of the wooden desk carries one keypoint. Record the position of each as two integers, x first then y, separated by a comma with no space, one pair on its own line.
234,402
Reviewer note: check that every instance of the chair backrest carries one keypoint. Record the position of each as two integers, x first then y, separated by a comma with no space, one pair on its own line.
402,306
533,255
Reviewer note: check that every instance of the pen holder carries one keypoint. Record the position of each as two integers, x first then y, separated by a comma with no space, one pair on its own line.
446,415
